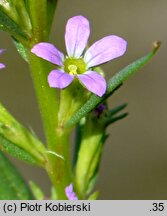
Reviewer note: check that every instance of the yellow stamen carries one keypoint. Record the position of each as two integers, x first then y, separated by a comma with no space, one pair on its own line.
72,69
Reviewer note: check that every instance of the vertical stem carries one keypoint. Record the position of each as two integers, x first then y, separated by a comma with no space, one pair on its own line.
38,15
57,138
59,170
47,97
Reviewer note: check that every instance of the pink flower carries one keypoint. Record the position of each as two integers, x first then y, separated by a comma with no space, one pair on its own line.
70,193
80,64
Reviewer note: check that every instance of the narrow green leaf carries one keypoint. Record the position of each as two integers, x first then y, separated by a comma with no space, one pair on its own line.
21,49
16,134
21,16
94,196
115,119
54,195
51,7
12,185
113,83
117,109
37,192
8,25
78,139
16,151
93,180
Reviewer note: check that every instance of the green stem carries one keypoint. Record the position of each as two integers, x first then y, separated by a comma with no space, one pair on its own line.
38,15
57,139
58,166
47,97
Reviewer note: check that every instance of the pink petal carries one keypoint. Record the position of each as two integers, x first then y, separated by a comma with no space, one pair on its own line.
76,35
94,82
70,193
48,52
59,79
104,50
2,66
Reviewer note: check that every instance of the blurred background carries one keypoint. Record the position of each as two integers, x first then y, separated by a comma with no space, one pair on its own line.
134,163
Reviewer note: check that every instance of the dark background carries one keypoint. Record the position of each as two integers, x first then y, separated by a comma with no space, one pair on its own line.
134,164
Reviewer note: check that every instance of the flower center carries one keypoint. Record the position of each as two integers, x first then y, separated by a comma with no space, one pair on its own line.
74,66
72,69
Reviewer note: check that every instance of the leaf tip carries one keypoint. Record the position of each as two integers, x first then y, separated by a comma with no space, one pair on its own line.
156,44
